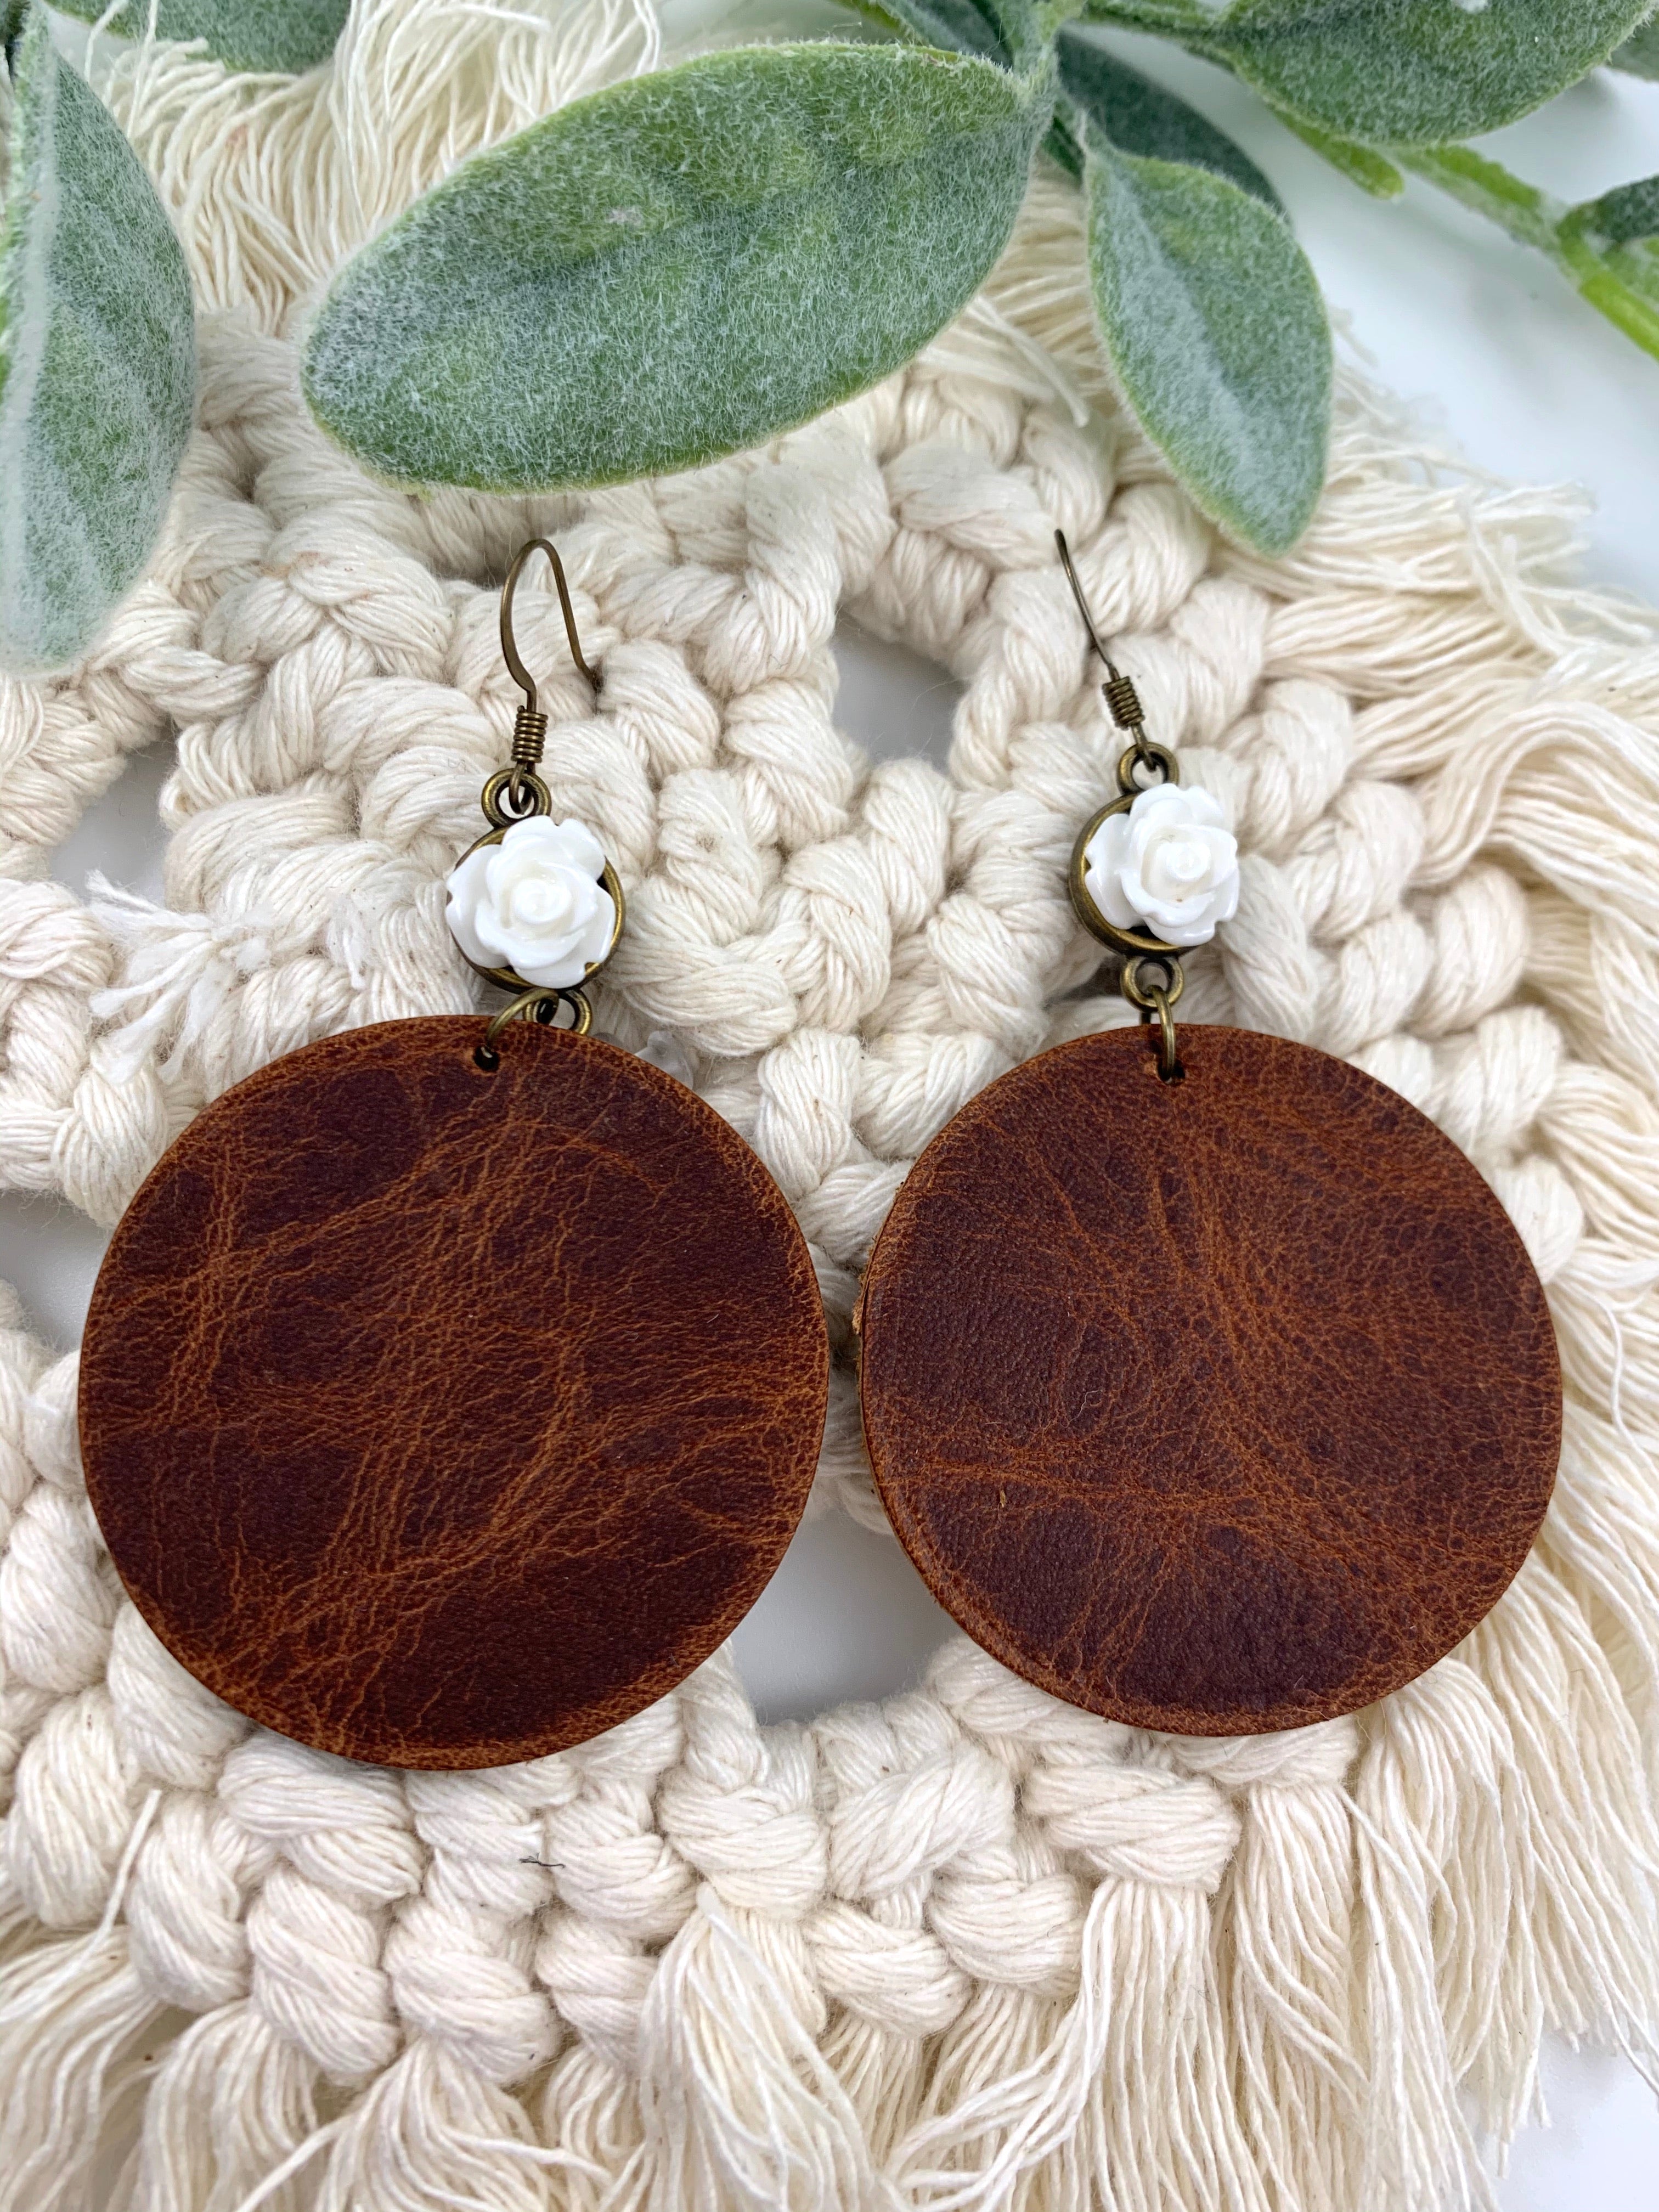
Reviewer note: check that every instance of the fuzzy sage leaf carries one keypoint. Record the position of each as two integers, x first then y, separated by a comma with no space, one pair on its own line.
97,362
1214,322
284,37
676,267
956,27
1016,34
1163,19
1415,72
1139,117
1639,55
1627,214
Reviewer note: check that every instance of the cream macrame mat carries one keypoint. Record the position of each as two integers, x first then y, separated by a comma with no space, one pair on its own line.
969,1948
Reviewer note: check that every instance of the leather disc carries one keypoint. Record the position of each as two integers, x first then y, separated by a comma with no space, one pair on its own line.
443,1417
1218,1405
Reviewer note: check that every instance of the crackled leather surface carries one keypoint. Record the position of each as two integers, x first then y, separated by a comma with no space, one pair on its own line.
1215,1406
443,1418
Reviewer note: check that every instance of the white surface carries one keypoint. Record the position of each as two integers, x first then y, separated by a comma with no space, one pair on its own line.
1531,384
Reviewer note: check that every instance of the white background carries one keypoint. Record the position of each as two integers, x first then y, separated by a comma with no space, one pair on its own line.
1504,363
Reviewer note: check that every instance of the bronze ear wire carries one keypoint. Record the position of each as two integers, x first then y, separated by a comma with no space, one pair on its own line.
1153,978
516,793
517,782
1123,700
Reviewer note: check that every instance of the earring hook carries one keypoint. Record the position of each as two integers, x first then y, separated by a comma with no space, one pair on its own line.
1123,700
1104,657
521,675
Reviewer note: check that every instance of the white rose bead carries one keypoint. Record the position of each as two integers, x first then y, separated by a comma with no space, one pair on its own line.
534,902
1167,866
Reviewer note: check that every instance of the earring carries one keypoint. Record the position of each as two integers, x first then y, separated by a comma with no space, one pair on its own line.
452,1387
1208,1385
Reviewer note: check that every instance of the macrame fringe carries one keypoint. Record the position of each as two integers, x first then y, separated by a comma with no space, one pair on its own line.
73,2066
1038,1965
233,2106
739,2108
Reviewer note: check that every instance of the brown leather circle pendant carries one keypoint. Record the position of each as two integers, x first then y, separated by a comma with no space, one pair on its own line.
1216,1405
441,1416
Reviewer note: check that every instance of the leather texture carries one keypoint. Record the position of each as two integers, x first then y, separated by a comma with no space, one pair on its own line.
1215,1406
443,1417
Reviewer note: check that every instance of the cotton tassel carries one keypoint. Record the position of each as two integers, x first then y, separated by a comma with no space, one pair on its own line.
1418,2147
1441,1779
1138,2061
1285,1946
1114,2068
232,2103
883,2074
1602,1534
1161,2120
75,2010
1010,1912
740,2111
1000,2032
1596,1916
589,2110
1011,1915
433,2131
72,2055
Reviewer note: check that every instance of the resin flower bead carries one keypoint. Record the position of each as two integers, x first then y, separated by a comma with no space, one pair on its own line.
534,902
1167,865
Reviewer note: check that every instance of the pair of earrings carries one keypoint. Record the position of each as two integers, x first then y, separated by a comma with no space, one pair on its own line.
452,1388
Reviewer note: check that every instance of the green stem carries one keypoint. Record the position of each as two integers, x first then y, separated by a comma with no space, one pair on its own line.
1487,187
1608,294
1361,165
1535,219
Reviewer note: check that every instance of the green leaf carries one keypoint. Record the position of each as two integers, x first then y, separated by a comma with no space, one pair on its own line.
1626,214
1214,322
1639,55
676,267
1139,117
97,362
1415,72
1016,34
1360,165
955,26
1169,19
285,37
